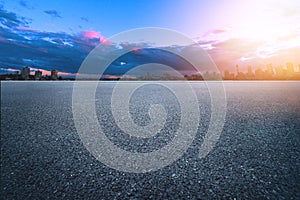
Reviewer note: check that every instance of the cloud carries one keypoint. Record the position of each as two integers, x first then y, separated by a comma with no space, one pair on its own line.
46,72
90,34
65,52
84,19
25,4
226,54
53,13
43,50
214,32
22,28
11,20
207,44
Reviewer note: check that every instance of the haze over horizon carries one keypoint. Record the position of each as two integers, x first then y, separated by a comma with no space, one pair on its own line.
48,34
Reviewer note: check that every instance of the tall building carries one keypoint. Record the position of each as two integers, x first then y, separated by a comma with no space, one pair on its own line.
25,73
259,74
290,68
226,74
250,70
270,69
38,75
269,73
237,69
54,73
239,75
279,72
250,74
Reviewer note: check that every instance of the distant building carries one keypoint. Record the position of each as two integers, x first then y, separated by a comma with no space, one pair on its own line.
250,70
25,73
279,72
290,68
239,75
216,76
148,76
228,75
270,69
237,69
38,75
54,73
250,74
259,74
270,73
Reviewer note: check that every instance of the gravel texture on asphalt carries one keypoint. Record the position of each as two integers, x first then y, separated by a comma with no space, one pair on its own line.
256,157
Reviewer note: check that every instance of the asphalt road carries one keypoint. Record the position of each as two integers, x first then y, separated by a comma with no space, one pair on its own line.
257,155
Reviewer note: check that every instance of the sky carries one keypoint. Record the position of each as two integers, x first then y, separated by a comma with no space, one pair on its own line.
60,34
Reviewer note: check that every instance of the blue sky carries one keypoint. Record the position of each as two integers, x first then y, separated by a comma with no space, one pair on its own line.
113,16
47,34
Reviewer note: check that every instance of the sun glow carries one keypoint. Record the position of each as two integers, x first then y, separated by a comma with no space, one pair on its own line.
269,28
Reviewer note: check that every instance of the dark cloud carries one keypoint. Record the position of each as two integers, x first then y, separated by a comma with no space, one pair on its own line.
143,56
22,46
84,19
11,20
39,53
53,13
66,52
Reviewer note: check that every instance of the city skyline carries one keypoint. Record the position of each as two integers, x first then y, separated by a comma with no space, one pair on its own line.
44,34
268,73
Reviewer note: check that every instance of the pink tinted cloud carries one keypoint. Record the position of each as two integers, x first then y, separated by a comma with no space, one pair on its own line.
48,72
104,41
136,50
226,54
21,45
3,40
44,72
90,34
214,32
66,74
42,50
22,28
